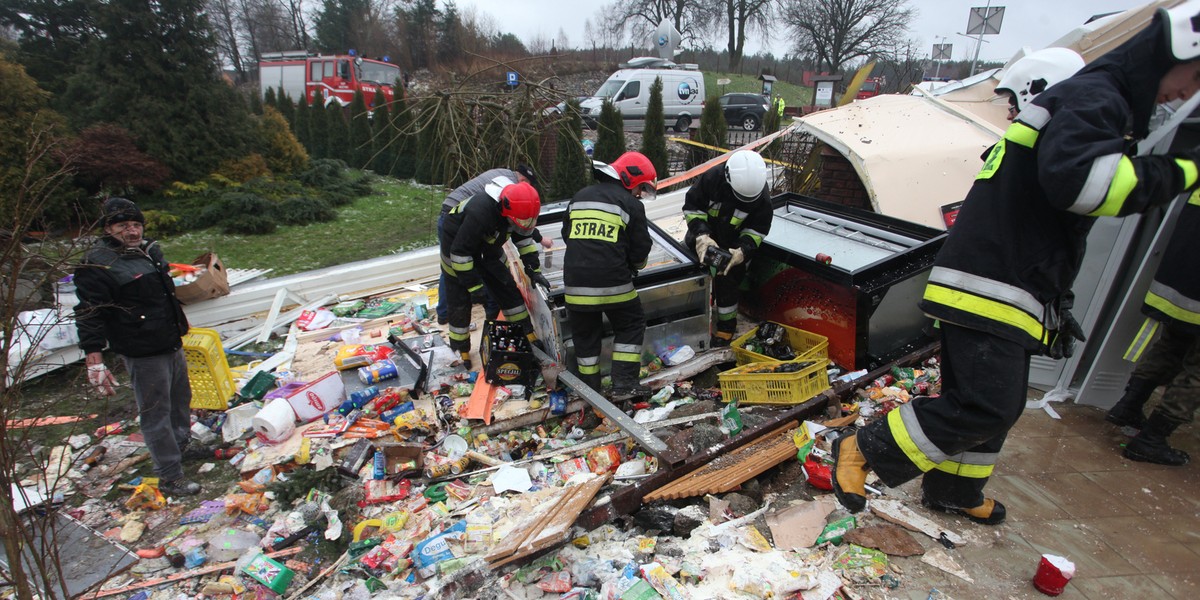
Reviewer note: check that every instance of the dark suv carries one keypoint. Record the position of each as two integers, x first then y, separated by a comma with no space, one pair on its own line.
744,110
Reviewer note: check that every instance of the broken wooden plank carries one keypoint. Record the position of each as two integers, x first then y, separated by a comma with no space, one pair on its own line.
537,516
736,467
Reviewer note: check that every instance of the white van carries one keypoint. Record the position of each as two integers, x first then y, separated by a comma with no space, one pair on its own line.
629,91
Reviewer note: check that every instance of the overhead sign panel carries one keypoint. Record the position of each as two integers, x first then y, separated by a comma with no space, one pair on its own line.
985,20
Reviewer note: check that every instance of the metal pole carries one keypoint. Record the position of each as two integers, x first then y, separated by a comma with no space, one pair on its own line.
982,28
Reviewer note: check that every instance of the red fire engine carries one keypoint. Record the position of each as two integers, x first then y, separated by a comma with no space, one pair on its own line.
872,87
326,79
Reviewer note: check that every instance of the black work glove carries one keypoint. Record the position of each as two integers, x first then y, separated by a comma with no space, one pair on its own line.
1063,344
538,279
479,296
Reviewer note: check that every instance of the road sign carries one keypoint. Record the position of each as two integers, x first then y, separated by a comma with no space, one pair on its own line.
723,81
985,20
942,51
512,79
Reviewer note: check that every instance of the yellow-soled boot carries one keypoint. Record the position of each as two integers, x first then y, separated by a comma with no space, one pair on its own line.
850,473
991,512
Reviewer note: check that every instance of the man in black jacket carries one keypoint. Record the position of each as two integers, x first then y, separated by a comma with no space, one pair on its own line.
1000,286
607,243
729,208
127,303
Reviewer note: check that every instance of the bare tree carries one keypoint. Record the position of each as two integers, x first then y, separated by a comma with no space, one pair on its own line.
741,17
608,32
227,30
561,42
835,32
643,16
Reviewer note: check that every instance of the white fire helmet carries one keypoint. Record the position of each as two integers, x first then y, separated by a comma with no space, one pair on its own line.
1182,25
746,173
1031,75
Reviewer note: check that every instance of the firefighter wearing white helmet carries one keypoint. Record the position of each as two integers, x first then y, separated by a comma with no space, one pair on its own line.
729,208
1035,72
1001,283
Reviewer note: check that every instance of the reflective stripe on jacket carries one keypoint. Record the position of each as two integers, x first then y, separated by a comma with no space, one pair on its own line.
608,241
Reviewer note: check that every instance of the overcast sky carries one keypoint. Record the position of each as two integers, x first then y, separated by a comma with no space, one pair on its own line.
1033,23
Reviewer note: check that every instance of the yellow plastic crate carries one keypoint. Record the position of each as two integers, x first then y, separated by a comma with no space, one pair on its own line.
208,371
744,386
808,346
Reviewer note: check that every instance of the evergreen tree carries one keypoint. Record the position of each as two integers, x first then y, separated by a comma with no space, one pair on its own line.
610,134
318,131
571,165
713,131
383,137
654,138
359,134
335,23
156,73
278,145
337,133
268,100
404,163
256,105
430,163
302,124
287,108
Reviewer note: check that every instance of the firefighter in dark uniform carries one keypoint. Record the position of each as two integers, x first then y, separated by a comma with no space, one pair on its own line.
1172,305
474,232
730,208
607,243
1000,285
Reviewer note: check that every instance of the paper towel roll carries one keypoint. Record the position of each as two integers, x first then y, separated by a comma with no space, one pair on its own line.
275,422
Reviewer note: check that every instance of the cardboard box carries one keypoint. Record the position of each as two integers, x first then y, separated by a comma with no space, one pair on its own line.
396,455
211,282
312,401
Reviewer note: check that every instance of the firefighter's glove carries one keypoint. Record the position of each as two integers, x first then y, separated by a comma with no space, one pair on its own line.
1068,332
102,379
538,279
738,257
479,296
703,241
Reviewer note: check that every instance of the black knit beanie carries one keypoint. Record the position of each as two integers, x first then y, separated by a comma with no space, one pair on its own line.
117,210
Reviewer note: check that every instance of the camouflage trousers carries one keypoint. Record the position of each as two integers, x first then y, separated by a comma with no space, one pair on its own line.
1174,361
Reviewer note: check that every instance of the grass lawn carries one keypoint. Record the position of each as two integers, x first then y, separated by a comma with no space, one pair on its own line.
398,217
793,94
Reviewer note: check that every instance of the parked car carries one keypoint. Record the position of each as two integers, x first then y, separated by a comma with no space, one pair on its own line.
744,110
629,90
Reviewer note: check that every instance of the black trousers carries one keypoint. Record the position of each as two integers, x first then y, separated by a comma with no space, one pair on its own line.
499,283
954,438
629,331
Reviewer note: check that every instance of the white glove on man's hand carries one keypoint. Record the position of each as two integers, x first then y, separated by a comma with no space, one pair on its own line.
738,258
703,241
101,379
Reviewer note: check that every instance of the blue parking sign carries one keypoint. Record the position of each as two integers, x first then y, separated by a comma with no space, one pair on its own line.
512,79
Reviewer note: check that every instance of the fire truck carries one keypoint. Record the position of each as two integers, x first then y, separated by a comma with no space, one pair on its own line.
324,79
873,86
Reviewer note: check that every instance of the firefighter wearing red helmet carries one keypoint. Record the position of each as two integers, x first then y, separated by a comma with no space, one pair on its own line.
474,232
729,208
607,243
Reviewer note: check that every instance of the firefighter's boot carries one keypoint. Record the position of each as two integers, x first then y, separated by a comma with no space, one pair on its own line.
1128,410
991,512
849,473
593,381
720,339
466,359
1150,445
625,382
